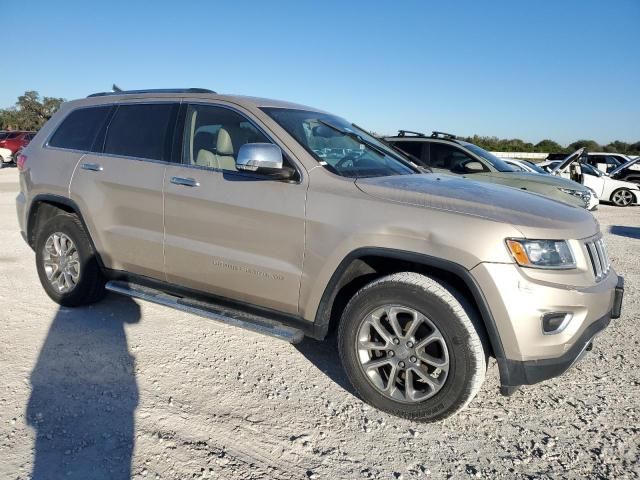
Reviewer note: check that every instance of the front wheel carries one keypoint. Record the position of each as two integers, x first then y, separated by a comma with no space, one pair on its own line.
622,197
410,347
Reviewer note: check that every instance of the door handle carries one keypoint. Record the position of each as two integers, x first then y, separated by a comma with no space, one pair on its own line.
94,167
186,182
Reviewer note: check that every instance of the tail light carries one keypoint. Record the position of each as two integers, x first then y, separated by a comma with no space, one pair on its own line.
21,162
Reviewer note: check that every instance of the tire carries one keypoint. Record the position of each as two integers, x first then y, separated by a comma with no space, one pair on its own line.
429,392
622,197
81,262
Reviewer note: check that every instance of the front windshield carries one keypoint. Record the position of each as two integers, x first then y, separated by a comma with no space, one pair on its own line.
497,163
344,148
534,167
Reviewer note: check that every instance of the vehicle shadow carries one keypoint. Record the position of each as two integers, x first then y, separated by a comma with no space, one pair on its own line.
84,394
324,355
624,231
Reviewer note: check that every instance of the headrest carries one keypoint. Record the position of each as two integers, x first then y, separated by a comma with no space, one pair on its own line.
230,139
203,140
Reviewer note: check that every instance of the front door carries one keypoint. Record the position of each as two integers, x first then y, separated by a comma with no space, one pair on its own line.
230,233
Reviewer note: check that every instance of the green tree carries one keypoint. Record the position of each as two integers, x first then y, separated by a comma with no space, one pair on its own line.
634,148
30,112
590,145
549,146
617,147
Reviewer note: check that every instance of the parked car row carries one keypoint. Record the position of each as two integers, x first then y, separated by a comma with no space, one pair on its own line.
445,153
11,142
292,222
579,167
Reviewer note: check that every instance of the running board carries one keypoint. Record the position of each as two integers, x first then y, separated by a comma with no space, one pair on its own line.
211,311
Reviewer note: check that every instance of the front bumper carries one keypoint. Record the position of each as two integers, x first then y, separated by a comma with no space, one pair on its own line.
529,372
518,302
534,371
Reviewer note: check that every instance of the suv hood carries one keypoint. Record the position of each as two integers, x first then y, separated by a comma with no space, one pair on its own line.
537,178
534,215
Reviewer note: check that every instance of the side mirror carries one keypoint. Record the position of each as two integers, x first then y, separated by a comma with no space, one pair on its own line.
474,166
264,159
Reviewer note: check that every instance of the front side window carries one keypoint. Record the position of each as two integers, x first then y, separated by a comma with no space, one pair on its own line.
141,131
342,147
448,157
496,162
80,128
213,136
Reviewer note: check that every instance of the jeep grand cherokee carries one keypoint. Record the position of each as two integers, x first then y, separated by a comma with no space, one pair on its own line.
290,221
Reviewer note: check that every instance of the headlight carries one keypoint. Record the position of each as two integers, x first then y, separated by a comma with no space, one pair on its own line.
583,195
541,253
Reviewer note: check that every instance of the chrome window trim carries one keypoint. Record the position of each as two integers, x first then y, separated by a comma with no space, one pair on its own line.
299,169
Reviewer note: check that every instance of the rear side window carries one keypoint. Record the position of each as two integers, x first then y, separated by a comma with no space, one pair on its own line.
140,131
79,130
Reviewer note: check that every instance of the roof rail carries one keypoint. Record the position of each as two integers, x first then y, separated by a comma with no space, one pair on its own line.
403,133
450,136
156,90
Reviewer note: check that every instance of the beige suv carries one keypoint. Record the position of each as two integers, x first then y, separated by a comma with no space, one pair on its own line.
293,222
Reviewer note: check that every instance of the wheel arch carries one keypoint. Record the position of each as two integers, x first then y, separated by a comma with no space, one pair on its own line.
46,206
363,265
634,193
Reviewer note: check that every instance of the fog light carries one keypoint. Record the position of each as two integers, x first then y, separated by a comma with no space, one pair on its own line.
555,322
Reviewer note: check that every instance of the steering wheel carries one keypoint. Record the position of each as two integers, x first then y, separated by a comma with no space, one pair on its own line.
350,157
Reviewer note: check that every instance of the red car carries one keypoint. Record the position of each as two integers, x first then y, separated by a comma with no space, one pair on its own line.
14,141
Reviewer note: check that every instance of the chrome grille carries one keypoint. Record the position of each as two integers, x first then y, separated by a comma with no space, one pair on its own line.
600,262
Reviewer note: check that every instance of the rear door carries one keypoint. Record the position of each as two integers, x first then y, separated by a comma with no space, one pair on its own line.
118,186
230,233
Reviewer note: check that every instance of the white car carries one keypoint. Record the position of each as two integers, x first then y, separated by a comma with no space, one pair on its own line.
620,193
530,167
607,162
5,156
525,166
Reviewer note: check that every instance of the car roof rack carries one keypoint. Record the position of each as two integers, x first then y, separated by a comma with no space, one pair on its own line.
449,136
117,91
403,133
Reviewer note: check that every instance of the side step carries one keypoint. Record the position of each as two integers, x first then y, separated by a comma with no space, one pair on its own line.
212,311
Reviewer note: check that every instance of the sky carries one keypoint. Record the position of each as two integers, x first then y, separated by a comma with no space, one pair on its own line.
564,70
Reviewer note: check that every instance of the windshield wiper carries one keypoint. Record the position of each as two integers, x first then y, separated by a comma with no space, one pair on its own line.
355,136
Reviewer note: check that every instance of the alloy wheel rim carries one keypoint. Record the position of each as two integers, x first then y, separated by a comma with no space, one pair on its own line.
61,262
622,197
402,354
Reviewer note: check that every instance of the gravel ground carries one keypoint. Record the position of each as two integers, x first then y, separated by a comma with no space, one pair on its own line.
126,389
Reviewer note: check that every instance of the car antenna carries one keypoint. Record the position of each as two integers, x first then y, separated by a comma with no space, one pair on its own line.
115,88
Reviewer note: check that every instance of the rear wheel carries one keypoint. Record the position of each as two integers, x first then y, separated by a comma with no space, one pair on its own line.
410,347
66,262
622,197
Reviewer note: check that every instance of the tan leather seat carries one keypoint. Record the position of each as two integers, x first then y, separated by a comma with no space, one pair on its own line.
203,148
230,139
